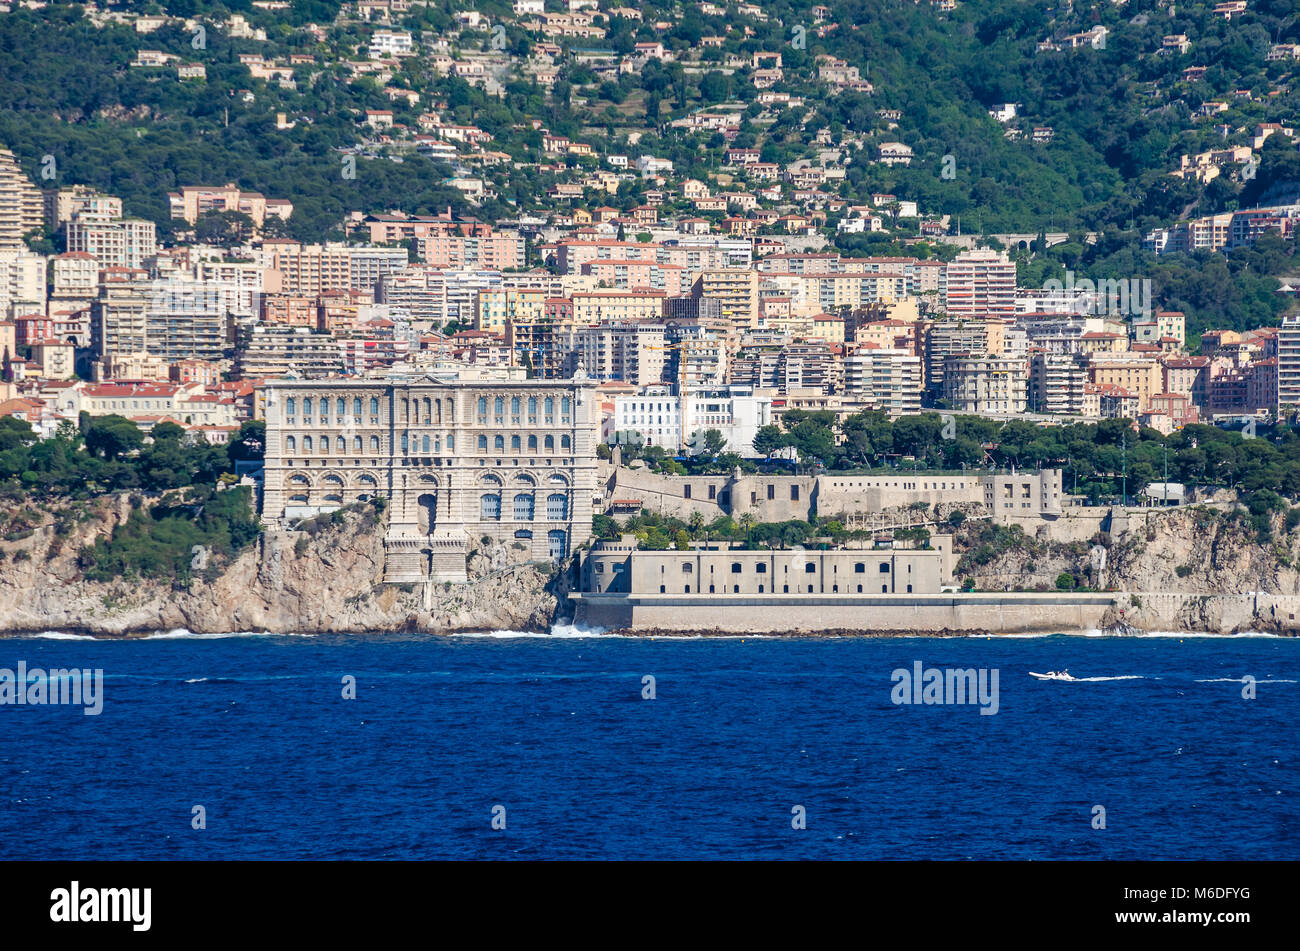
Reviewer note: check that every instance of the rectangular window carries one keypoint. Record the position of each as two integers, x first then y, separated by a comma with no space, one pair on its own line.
713,491
794,493
771,492
686,491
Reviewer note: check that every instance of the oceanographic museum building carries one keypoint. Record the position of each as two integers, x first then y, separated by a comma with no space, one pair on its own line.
456,458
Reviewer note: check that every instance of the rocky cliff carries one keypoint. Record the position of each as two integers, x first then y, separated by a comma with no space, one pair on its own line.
1193,569
1190,569
329,580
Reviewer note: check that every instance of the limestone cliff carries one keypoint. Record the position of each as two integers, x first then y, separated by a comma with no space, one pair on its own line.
1193,569
283,582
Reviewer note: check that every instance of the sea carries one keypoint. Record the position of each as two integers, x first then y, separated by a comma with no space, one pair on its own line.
583,745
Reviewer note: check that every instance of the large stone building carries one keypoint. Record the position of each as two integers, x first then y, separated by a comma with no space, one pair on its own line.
718,569
1006,496
457,459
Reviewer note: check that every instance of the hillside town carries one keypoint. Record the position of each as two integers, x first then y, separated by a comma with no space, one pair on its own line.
719,300
683,331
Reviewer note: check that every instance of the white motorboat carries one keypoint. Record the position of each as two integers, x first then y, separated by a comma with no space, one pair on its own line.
1053,675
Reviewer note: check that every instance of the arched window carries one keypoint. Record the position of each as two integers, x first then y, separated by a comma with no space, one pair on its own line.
290,444
532,443
356,406
514,406
482,406
523,507
482,443
374,406
498,406
499,443
550,406
557,507
324,445
405,443
374,443
532,409
340,445
340,406
299,480
564,406
564,442
549,444
306,406
356,443
426,445
290,407
490,507
514,443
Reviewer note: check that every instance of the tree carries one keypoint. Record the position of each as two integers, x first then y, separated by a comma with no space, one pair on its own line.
714,443
223,228
112,437
768,439
250,442
167,430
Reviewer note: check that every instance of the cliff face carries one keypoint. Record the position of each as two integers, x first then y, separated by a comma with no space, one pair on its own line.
284,582
1191,569
1190,550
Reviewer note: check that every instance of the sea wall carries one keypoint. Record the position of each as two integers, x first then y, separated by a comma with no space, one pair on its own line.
957,613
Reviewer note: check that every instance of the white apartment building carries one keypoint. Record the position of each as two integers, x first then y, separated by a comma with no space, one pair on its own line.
634,354
884,379
981,283
1288,365
985,385
656,416
125,242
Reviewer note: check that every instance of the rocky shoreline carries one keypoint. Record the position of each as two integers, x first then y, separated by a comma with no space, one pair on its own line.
330,582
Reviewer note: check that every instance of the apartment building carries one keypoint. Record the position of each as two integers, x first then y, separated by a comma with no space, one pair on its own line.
633,353
1056,383
21,203
657,415
274,350
308,270
62,205
736,292
985,385
883,379
624,307
192,201
1139,375
980,283
498,250
1288,366
498,307
125,242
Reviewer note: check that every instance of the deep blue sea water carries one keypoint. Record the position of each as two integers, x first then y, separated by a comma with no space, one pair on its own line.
555,730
